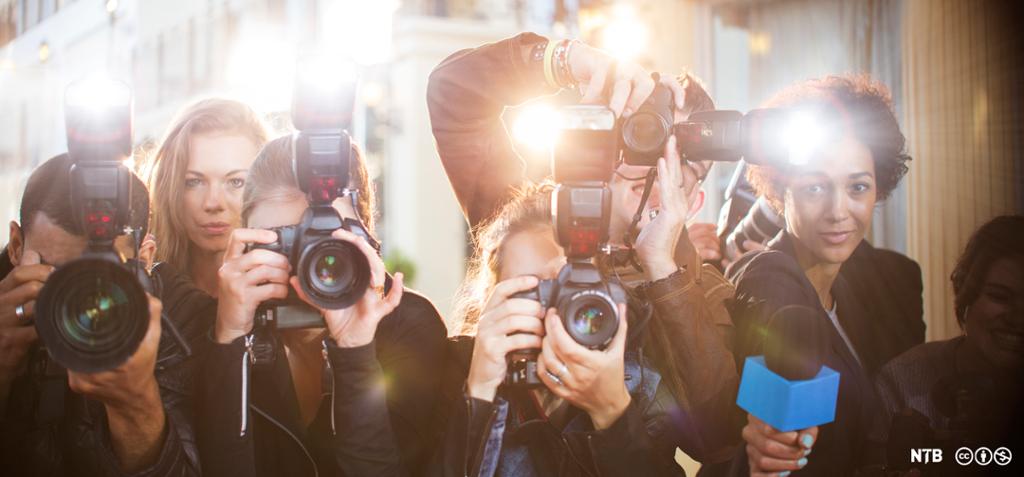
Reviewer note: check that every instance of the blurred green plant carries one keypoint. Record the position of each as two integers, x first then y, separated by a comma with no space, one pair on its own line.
396,261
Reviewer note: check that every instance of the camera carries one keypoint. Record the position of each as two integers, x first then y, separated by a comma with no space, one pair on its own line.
588,306
645,132
583,162
762,136
332,273
93,312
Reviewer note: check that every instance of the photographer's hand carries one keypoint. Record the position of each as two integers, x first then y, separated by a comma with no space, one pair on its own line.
357,325
770,452
505,325
704,238
246,280
591,380
631,84
131,396
657,241
18,289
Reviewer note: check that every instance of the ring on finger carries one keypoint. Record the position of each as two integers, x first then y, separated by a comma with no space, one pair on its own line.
554,377
380,291
563,370
19,311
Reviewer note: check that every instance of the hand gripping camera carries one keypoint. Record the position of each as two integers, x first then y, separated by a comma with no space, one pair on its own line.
583,162
92,312
333,273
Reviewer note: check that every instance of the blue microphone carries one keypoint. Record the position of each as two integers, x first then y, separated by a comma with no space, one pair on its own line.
789,388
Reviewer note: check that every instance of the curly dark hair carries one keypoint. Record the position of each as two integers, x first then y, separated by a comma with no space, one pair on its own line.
862,107
998,238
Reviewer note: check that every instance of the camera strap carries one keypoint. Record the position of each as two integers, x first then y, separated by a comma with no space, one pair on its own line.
627,239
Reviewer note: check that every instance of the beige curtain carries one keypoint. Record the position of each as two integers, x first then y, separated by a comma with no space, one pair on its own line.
962,93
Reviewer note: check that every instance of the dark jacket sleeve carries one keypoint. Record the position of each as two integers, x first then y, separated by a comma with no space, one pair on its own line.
385,392
81,439
466,95
636,443
221,413
690,317
173,459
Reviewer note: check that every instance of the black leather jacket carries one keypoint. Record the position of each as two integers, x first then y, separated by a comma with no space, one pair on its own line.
376,416
48,430
509,437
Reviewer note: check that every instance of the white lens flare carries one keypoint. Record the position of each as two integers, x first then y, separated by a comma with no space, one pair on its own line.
625,36
98,93
802,137
536,127
326,74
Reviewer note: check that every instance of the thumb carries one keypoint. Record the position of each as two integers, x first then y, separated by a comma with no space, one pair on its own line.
156,308
30,257
618,345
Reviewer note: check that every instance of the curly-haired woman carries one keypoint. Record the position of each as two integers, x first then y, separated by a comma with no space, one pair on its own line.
827,200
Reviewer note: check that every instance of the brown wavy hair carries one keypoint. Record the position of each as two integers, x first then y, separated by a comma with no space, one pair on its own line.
1001,237
271,176
529,208
859,105
166,170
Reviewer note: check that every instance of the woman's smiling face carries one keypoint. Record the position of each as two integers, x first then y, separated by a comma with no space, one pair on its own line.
829,202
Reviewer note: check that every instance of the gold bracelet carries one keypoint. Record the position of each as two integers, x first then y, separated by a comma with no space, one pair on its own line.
549,73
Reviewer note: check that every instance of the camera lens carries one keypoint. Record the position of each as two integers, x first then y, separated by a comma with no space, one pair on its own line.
92,315
336,273
591,318
645,132
330,271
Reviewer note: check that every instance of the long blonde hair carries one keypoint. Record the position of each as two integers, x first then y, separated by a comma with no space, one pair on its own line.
166,170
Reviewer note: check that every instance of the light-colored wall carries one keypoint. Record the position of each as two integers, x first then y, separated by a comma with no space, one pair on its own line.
423,220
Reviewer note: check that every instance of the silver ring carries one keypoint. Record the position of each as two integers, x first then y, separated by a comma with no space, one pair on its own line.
563,370
19,311
554,377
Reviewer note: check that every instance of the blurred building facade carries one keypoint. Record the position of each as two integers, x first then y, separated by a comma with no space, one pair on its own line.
177,52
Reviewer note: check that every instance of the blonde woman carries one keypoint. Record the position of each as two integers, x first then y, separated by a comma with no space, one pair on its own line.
354,397
196,181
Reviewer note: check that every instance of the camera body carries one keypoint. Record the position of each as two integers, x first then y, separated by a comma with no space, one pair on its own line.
93,312
583,162
588,305
333,273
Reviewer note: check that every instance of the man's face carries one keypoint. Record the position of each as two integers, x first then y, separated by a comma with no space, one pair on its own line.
55,245
627,190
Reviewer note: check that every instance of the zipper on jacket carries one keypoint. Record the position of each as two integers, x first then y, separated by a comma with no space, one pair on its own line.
247,357
330,374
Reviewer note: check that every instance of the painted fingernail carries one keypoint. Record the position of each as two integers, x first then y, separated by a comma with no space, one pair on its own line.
807,440
802,462
784,474
807,452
